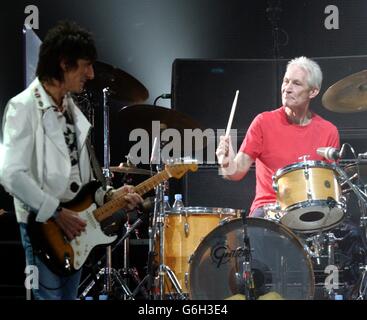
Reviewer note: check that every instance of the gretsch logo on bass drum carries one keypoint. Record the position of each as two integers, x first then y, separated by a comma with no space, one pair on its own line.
221,254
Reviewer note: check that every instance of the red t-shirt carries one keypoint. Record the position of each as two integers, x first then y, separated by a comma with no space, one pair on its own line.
274,143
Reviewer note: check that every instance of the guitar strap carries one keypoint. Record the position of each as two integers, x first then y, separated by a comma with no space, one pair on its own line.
95,164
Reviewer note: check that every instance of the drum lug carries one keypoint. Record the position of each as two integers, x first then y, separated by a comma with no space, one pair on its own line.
224,221
186,228
275,185
190,259
186,280
306,173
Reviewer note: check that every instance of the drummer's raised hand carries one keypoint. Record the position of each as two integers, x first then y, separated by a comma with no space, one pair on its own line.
232,166
224,152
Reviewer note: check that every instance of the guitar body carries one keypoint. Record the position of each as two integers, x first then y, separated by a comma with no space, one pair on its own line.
65,257
62,256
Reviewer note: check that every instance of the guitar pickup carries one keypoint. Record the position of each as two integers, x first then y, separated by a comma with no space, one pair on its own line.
67,263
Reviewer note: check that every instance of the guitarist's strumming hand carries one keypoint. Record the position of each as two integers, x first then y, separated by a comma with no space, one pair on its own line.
70,222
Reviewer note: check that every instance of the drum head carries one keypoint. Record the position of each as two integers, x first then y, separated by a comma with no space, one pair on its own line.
279,263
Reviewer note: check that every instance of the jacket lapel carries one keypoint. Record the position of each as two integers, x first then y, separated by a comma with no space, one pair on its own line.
82,125
49,117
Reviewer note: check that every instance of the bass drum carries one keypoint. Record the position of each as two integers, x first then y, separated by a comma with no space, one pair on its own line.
281,267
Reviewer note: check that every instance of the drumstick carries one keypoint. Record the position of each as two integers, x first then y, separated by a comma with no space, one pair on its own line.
229,125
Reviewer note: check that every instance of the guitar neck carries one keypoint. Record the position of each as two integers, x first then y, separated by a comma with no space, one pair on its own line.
112,206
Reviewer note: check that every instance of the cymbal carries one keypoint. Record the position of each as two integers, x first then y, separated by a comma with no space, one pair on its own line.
129,169
141,116
347,95
122,86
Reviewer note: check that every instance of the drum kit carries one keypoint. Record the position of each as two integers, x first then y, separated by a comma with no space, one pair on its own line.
295,252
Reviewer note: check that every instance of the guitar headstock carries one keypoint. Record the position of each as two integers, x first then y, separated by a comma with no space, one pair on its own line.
179,168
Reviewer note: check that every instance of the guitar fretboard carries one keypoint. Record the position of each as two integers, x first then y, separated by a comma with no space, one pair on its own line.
112,206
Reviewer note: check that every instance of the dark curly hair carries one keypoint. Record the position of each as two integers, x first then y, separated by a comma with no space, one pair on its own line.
66,41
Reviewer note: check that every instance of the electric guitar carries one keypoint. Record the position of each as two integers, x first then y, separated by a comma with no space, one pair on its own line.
65,257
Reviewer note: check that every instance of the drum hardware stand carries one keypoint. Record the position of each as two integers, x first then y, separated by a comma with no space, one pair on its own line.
331,243
158,228
127,293
247,274
362,199
108,271
107,288
133,272
316,247
362,290
149,278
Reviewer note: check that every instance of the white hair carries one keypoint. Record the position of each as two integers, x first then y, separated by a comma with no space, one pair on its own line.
313,69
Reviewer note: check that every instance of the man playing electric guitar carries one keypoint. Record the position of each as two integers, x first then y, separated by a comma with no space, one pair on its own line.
46,160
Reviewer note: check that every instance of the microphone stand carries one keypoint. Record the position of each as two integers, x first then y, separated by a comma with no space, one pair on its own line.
247,274
154,227
128,295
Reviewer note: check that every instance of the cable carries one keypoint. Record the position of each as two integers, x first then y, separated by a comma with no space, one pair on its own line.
162,96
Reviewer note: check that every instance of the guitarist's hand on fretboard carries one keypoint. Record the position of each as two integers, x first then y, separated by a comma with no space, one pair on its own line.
70,222
130,196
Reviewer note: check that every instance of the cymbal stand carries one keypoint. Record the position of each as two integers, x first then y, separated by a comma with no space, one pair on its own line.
158,226
362,200
157,229
362,290
108,270
163,269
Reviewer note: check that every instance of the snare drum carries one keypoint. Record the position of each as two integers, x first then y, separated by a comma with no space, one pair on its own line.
309,195
183,232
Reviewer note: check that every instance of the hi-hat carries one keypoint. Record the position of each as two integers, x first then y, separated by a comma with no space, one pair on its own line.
129,169
122,86
348,95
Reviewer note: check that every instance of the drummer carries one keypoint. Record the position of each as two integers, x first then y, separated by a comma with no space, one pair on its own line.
282,136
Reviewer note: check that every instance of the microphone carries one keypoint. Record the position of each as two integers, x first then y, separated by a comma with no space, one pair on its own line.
113,223
330,153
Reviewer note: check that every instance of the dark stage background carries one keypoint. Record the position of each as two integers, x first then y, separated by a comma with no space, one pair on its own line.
200,51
